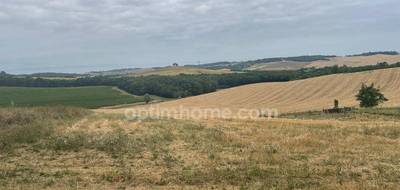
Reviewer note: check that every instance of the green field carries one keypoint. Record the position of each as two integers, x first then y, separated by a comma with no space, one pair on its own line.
87,97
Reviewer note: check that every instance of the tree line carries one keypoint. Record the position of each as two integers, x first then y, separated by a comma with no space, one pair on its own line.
184,85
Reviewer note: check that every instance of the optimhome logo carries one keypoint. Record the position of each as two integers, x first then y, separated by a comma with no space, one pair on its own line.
157,112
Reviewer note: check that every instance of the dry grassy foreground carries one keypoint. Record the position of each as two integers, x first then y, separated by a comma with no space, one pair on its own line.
103,151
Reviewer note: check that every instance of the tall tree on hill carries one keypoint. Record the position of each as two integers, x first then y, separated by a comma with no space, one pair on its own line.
369,96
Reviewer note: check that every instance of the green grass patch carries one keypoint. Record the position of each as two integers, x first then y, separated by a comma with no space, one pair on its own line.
30,125
86,97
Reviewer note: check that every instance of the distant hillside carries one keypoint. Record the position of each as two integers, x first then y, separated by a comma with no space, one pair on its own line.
377,53
114,72
299,62
164,71
171,71
247,64
50,75
356,61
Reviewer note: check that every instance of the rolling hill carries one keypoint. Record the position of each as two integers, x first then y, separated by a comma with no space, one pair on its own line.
294,96
164,71
350,61
356,61
171,71
306,61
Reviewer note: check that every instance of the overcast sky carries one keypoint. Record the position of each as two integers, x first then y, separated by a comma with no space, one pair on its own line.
86,35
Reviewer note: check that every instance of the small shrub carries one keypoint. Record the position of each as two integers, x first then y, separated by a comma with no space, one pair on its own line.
73,141
20,134
115,143
30,125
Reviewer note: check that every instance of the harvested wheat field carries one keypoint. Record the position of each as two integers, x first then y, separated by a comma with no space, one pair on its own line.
356,61
286,97
350,61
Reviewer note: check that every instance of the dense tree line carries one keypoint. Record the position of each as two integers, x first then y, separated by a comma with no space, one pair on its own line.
377,53
185,85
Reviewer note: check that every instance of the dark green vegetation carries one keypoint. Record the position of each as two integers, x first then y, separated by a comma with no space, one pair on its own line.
19,126
377,53
55,75
369,96
87,97
185,85
40,149
147,98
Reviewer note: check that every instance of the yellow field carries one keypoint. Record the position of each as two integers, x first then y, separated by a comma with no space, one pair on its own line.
295,96
355,61
170,71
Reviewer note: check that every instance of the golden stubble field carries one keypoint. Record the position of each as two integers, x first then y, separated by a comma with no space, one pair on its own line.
355,61
286,97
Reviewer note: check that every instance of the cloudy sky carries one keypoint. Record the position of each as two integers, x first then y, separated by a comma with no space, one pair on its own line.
86,35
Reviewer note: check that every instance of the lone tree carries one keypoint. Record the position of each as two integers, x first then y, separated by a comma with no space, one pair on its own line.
147,98
369,96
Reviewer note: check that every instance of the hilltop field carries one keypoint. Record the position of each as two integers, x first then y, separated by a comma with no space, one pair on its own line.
350,61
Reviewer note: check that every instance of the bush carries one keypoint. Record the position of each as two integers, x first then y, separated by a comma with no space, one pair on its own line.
147,98
114,143
30,125
73,141
369,96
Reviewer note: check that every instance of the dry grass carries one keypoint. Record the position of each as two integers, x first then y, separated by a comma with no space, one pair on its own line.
295,96
106,151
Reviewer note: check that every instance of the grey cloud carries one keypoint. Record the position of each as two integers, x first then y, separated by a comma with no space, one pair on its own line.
155,17
128,32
